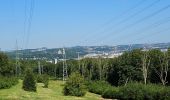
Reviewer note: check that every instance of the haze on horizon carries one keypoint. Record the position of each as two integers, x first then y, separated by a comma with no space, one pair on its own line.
58,23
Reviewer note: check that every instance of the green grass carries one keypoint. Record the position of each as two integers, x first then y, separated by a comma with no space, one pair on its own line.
54,92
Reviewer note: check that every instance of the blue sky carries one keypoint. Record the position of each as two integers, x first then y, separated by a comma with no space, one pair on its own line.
58,23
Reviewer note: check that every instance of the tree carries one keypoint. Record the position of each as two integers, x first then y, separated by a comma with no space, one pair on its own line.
145,66
154,56
163,70
75,85
29,83
5,69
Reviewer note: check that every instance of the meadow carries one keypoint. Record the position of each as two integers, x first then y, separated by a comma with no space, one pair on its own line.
54,92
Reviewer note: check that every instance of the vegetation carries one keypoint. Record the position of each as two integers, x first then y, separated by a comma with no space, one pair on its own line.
7,79
39,78
139,91
7,82
43,79
29,83
75,85
53,92
46,81
142,66
136,74
111,93
98,87
5,68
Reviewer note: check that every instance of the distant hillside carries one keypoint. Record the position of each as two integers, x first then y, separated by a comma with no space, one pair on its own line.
71,52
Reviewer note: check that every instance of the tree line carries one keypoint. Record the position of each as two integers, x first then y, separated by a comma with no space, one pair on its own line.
150,66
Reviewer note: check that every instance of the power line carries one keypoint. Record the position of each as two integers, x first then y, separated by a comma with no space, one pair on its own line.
137,22
141,31
116,17
17,62
25,21
30,21
153,34
131,16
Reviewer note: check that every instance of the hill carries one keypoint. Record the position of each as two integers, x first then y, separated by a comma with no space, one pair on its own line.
71,52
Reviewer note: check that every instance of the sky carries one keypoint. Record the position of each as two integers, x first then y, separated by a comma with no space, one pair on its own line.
67,23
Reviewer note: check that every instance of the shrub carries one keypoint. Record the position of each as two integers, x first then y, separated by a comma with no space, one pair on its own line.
162,94
132,91
75,85
7,82
139,91
39,78
98,87
45,80
111,93
29,83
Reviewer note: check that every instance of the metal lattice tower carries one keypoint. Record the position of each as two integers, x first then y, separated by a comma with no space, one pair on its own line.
39,67
78,58
65,73
17,63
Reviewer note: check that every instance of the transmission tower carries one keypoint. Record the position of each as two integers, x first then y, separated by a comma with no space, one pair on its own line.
39,67
130,47
78,58
17,63
65,74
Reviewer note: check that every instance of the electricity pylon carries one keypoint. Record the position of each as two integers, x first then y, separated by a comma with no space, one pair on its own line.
17,63
65,73
78,58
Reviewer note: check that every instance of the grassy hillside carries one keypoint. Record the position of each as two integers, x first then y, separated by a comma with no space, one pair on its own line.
54,92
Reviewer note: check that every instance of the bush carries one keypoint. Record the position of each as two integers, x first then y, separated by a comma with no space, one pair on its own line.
111,93
29,83
138,91
7,82
98,87
162,94
132,91
39,78
75,85
45,80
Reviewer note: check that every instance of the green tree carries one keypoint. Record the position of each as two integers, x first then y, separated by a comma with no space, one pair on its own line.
5,69
155,64
75,85
29,83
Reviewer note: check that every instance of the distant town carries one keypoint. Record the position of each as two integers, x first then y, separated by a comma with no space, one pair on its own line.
54,55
